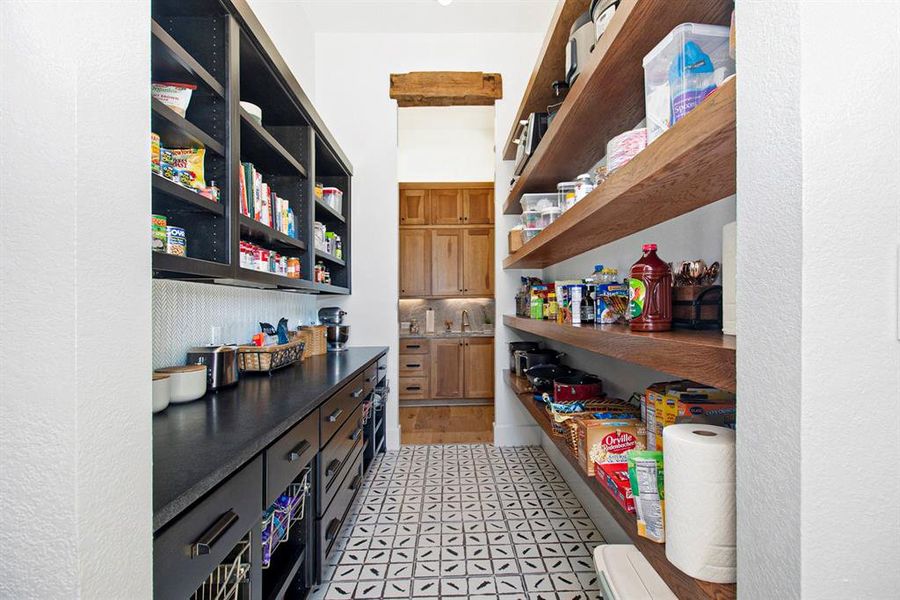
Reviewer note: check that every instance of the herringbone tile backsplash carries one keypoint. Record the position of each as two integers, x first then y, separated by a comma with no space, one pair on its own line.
184,314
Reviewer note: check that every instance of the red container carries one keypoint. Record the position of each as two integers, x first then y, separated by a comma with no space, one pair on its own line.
577,388
614,477
650,292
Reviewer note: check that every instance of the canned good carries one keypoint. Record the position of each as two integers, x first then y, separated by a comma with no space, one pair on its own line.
176,241
158,235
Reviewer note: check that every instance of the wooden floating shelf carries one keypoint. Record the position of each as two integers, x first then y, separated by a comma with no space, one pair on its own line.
681,584
704,356
323,208
608,96
550,67
171,62
689,166
184,199
260,147
261,233
330,258
177,132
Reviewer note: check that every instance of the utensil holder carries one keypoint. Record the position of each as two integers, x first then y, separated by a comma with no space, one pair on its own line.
697,306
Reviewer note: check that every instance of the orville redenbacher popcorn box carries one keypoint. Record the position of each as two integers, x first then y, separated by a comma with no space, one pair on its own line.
607,441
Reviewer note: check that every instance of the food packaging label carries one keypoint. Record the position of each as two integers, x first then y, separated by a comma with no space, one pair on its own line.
614,477
645,473
607,440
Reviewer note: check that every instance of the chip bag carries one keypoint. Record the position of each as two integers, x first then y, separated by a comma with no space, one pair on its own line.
184,166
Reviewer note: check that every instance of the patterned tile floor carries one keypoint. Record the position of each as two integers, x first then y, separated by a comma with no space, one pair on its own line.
464,521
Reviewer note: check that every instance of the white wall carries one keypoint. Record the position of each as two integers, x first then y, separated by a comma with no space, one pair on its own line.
445,143
75,421
819,378
293,32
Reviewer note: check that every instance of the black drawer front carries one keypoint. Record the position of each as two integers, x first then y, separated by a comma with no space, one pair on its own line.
331,521
371,378
187,551
336,455
337,409
287,457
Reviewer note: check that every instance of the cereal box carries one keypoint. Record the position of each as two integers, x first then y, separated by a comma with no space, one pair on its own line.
604,441
614,477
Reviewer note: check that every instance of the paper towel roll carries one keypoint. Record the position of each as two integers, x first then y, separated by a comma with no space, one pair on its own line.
700,501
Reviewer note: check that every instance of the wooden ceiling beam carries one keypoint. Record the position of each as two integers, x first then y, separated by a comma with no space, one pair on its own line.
446,88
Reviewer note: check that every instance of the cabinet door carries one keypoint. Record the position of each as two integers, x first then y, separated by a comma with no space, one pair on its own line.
446,262
478,262
446,207
414,207
478,206
447,367
415,266
479,367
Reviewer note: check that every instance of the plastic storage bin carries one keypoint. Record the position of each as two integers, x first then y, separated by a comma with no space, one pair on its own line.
531,219
538,202
565,192
550,214
530,234
333,197
682,70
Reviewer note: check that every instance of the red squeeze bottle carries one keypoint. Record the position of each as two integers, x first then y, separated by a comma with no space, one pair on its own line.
650,292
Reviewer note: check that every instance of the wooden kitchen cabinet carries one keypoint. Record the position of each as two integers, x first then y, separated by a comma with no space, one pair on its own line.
478,262
447,368
414,207
478,358
478,206
447,206
415,268
446,262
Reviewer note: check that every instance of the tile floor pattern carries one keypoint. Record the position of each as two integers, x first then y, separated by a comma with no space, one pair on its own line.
464,521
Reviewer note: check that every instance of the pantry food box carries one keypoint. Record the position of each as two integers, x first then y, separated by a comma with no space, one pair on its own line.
665,398
655,396
614,477
604,441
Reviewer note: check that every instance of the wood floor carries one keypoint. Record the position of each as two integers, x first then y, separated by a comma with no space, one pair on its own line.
447,425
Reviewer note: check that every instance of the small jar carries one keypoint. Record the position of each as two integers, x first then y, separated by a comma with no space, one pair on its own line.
566,192
548,215
584,186
531,219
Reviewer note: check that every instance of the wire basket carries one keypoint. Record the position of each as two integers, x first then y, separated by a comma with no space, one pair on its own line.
287,511
226,581
265,359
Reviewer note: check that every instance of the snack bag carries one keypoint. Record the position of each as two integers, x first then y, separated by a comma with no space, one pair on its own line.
184,166
645,472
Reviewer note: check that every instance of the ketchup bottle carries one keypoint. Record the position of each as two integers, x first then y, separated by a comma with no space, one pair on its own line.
650,292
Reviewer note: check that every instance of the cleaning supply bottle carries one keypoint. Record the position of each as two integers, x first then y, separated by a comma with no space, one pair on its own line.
691,79
650,292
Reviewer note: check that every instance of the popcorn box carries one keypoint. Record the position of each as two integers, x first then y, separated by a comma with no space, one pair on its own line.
606,441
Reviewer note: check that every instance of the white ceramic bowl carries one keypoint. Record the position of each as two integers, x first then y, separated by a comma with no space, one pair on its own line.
160,392
186,383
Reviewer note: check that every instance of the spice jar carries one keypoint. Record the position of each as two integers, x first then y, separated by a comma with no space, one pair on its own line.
584,186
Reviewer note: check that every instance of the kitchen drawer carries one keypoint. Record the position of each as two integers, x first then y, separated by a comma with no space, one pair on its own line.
371,378
414,346
189,549
382,367
413,365
336,409
331,521
414,388
335,455
290,454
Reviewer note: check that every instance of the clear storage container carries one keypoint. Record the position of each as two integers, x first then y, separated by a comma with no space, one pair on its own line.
565,192
531,219
530,234
334,198
682,70
550,214
538,201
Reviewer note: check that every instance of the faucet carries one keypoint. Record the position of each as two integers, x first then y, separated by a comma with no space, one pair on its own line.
465,321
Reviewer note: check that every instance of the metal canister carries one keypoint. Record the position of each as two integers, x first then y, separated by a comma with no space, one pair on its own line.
176,241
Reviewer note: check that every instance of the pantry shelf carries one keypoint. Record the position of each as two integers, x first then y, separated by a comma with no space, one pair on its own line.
184,267
177,132
704,356
681,584
327,288
330,258
181,198
689,166
550,67
264,235
264,279
329,212
171,62
608,96
266,153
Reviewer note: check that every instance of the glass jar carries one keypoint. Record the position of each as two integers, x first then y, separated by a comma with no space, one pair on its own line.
584,185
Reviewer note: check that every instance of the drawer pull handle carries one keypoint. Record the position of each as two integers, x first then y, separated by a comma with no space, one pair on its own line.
334,416
414,366
357,393
297,452
212,535
355,435
413,346
332,468
332,529
413,388
384,367
356,481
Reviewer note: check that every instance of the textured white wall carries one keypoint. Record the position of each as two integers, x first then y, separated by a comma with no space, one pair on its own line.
818,376
294,34
75,458
445,143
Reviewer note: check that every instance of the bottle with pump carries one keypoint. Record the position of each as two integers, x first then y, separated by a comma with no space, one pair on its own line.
650,292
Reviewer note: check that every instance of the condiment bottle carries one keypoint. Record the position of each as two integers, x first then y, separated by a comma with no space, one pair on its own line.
650,292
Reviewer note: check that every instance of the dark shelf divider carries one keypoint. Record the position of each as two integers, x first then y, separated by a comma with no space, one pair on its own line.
260,147
185,267
171,62
264,235
177,132
330,213
330,258
190,200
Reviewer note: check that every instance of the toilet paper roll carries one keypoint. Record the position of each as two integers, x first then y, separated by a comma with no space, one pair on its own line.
700,501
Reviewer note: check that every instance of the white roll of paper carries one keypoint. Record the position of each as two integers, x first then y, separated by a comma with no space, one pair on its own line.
700,501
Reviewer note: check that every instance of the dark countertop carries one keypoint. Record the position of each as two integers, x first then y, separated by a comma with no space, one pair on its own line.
198,444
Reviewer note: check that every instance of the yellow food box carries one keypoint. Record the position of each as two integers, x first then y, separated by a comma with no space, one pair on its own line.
684,393
604,441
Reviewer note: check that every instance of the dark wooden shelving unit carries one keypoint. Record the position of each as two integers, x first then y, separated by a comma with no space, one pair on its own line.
681,584
220,46
329,258
327,213
704,356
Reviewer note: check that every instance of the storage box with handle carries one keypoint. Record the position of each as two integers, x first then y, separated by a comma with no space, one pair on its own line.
315,338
